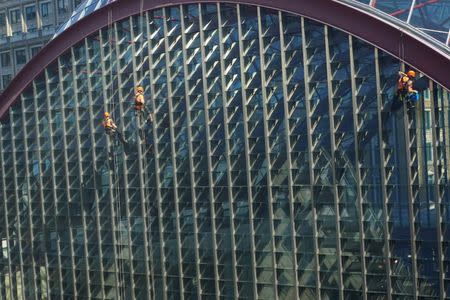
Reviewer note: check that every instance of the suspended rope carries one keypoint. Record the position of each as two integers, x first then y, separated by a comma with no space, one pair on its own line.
145,148
142,41
401,48
115,179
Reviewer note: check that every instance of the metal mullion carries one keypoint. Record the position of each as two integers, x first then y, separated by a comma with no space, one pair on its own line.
16,195
142,188
267,147
172,145
94,159
422,175
383,176
191,163
30,219
420,133
66,171
333,160
288,150
80,164
108,146
124,164
446,165
208,149
52,156
310,157
411,199
437,196
3,291
227,150
39,179
446,105
5,207
157,168
411,9
355,111
247,156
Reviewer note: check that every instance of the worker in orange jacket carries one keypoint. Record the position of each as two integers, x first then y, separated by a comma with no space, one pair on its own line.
111,127
139,103
405,88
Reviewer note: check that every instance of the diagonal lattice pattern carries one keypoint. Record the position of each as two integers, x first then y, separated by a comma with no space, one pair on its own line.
273,168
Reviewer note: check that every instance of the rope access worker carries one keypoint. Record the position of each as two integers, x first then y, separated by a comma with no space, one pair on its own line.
139,103
111,127
405,90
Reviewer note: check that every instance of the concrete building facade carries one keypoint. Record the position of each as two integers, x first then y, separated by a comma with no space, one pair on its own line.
25,26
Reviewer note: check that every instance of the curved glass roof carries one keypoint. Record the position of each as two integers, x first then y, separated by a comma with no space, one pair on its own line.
430,16
85,8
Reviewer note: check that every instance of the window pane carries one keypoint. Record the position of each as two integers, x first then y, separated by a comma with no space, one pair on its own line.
429,151
6,79
21,57
30,13
2,19
63,6
427,119
44,9
15,16
35,50
5,59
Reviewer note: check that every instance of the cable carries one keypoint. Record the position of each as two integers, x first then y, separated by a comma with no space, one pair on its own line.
142,40
116,179
145,154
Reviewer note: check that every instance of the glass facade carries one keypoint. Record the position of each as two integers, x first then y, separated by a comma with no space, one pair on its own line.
273,168
430,16
84,9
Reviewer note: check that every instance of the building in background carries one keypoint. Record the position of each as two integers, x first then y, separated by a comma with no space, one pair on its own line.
274,167
25,26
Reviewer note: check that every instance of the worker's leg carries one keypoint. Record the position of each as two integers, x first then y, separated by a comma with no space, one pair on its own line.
396,101
109,132
149,119
121,137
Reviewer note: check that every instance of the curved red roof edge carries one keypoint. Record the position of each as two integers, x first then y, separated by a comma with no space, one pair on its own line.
363,25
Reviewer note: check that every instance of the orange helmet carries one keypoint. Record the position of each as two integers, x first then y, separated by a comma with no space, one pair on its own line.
411,73
106,114
139,89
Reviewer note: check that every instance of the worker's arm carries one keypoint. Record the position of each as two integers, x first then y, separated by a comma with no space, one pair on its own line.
410,88
401,74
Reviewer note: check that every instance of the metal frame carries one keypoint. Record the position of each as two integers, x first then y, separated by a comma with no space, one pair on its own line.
389,31
236,65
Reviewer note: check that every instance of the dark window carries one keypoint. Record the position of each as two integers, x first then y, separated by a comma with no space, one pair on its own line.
30,13
6,79
429,151
427,119
78,2
2,19
6,59
63,6
35,50
45,9
14,16
21,57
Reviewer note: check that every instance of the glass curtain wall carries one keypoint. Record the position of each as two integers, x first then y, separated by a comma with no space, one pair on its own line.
273,168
